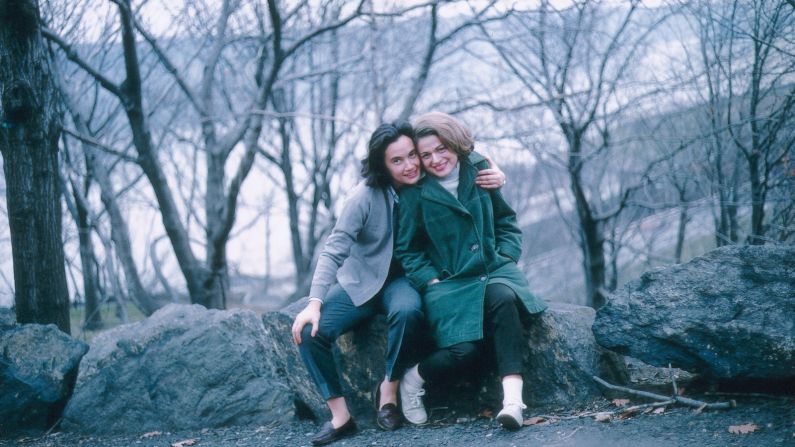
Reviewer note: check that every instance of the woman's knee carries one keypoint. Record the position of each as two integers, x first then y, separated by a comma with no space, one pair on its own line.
405,314
404,309
499,295
321,335
463,352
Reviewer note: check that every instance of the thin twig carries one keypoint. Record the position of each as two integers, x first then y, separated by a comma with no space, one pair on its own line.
635,408
570,434
673,380
47,433
632,409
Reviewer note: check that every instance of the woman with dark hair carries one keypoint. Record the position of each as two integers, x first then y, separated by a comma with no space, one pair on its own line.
459,246
356,278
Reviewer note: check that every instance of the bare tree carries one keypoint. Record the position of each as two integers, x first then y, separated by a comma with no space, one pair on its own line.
77,203
29,133
765,104
574,61
207,282
746,55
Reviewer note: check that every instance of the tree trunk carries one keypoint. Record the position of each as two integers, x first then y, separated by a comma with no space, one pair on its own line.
132,97
29,133
158,268
591,235
757,202
215,284
120,234
593,260
680,233
88,262
119,229
302,264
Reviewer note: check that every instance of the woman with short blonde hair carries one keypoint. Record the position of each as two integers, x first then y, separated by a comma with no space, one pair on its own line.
459,246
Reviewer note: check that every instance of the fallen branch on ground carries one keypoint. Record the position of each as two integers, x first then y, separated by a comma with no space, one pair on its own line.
699,405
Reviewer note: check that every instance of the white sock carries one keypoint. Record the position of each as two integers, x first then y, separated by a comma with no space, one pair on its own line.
412,377
512,391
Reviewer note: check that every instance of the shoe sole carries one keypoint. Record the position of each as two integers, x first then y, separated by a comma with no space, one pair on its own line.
349,432
508,422
415,423
384,427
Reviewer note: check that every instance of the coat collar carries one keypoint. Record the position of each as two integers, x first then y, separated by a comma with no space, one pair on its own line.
435,192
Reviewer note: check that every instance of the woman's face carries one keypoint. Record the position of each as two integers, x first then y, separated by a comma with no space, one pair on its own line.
437,159
402,162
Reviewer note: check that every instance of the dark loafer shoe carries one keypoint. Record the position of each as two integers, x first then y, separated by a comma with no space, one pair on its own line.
389,417
328,433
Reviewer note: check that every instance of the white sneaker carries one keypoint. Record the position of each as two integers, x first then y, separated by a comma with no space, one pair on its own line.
510,416
411,402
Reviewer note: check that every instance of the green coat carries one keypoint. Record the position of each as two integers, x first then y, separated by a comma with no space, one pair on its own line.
467,243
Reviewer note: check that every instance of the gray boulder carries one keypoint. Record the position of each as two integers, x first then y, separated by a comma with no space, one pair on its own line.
560,361
7,317
727,314
184,367
564,356
38,367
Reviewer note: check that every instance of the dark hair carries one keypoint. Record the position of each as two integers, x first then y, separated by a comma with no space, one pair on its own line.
373,164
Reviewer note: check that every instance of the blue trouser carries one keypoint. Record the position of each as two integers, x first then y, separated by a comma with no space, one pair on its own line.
403,308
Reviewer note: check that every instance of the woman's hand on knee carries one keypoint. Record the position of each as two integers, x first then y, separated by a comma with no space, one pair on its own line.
310,315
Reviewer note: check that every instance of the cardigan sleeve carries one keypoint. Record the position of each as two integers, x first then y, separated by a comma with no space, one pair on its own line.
411,240
338,244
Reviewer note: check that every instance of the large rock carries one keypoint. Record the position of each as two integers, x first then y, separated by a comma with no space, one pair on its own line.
728,314
560,361
564,356
184,367
7,317
38,366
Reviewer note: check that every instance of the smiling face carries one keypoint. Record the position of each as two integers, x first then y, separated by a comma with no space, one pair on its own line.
437,159
402,162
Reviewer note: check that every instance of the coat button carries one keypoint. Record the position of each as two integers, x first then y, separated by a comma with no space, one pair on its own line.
474,247
483,278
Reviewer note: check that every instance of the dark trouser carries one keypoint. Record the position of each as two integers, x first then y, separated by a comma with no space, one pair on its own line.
502,328
403,308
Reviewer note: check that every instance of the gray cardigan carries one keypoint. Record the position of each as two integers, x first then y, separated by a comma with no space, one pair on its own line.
359,249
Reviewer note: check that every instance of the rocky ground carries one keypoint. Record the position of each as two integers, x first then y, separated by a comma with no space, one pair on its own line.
773,420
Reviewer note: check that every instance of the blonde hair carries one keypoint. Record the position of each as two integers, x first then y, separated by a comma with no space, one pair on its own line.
451,132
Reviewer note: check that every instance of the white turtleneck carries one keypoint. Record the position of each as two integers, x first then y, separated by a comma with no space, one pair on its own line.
450,181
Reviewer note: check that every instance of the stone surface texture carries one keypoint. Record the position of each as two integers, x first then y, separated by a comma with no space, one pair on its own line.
38,367
729,314
184,367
